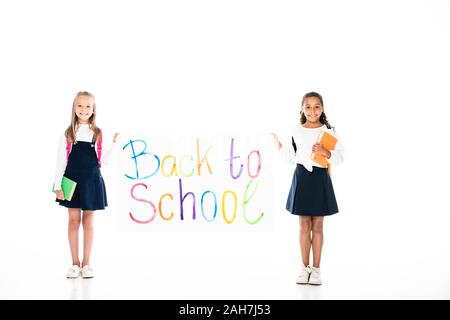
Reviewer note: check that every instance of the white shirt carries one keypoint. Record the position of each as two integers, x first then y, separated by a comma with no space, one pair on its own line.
84,133
304,139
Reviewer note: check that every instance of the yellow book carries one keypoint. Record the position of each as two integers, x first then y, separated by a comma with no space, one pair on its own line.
328,142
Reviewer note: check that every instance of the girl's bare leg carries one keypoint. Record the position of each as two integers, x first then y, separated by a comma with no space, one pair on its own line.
88,233
74,226
305,238
317,240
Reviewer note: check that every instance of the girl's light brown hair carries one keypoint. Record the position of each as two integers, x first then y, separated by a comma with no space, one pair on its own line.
74,122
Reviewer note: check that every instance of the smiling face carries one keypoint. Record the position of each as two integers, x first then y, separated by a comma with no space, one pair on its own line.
84,108
312,108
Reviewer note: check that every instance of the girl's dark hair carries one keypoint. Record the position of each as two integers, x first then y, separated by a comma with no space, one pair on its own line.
323,117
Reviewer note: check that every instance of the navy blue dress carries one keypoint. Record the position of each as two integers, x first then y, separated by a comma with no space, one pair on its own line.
83,168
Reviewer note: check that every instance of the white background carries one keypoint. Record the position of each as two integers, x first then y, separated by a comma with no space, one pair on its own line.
177,66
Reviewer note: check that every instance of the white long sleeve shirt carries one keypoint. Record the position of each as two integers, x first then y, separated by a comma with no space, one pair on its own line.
304,139
84,133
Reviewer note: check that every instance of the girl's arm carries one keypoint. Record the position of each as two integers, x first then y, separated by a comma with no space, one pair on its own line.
107,156
61,162
286,149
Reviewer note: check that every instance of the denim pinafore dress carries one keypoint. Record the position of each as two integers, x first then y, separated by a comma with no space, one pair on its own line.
83,167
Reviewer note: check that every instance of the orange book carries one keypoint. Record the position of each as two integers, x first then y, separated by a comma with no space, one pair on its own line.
328,141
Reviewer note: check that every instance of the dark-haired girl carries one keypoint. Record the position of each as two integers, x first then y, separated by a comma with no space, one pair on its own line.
311,196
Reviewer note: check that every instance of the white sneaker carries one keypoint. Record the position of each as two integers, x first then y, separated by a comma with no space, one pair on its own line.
303,278
73,272
87,272
315,277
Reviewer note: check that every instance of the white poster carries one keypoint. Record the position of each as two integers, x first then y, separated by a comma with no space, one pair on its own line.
177,182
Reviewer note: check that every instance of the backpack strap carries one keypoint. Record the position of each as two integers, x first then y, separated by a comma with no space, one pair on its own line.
99,149
68,148
294,145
